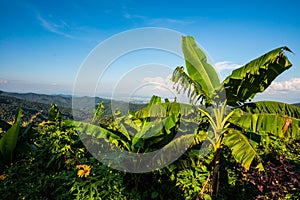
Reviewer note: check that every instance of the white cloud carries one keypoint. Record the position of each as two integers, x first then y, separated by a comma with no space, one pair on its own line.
55,27
164,88
161,84
285,87
130,16
3,81
226,65
165,21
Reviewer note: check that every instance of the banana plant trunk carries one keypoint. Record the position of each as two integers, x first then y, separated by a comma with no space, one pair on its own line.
216,173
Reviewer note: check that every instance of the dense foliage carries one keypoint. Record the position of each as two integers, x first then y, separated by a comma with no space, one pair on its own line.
49,156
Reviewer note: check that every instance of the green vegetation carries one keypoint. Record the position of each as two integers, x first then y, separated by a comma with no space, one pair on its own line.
9,139
233,148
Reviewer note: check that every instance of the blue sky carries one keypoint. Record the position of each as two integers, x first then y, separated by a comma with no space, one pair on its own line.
43,44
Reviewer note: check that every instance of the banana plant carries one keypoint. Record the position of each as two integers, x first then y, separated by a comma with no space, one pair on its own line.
203,86
9,139
143,131
149,129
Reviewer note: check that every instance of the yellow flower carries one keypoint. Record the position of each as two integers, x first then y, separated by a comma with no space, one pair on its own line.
3,176
43,123
83,170
24,124
35,116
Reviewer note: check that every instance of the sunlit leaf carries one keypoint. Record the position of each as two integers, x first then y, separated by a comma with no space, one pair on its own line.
245,82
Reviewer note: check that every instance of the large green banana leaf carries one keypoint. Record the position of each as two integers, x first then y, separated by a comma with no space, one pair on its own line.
241,148
245,82
272,107
9,140
165,109
154,100
129,134
175,147
87,129
261,123
202,80
158,109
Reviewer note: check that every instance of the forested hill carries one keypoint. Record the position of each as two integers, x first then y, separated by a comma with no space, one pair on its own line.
60,100
9,105
32,103
297,104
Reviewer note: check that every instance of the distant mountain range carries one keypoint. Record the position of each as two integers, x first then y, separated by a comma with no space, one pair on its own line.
32,103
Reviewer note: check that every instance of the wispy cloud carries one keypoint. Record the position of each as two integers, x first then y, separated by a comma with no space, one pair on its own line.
130,16
55,27
226,65
285,87
155,21
60,27
168,21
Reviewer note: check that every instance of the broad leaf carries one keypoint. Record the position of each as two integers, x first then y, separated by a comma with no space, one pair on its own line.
241,148
149,129
176,147
276,124
165,109
9,140
244,83
155,131
154,100
154,109
98,132
272,107
202,76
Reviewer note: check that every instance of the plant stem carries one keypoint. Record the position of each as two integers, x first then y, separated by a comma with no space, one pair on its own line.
200,196
216,173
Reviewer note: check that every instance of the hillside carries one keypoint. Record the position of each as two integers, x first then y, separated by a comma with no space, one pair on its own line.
9,105
32,103
297,104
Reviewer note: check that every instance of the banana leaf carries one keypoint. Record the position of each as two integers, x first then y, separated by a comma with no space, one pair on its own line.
241,149
245,82
87,129
272,107
9,140
202,81
262,123
165,109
